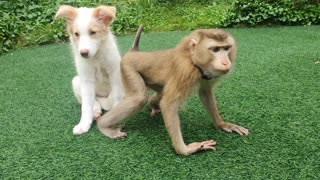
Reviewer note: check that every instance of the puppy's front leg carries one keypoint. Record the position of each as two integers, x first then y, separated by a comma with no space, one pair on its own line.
172,122
209,101
87,88
117,93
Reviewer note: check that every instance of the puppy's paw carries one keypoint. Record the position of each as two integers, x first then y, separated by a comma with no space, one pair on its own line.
81,128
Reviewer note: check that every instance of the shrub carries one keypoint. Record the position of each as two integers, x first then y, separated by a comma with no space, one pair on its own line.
27,22
30,22
183,17
272,12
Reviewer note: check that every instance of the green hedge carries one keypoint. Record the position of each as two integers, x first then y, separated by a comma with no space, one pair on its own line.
274,12
30,22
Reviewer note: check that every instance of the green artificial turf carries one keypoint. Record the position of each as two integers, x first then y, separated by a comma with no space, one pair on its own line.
274,91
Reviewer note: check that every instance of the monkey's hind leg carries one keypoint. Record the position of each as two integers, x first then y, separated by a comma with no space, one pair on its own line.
135,99
154,103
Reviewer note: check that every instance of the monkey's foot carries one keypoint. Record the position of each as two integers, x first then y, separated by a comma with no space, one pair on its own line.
96,110
229,127
97,115
113,132
155,112
81,128
200,146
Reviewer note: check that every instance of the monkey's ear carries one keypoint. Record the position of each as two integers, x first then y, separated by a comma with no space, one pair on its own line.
193,42
201,33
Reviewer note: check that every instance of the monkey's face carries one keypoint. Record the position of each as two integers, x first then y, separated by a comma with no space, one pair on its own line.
213,57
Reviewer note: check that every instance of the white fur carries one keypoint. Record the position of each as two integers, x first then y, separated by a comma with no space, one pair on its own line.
98,83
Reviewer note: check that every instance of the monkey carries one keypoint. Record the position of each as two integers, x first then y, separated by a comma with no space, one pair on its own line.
194,65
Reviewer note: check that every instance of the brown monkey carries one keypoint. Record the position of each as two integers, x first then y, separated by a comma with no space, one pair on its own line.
196,64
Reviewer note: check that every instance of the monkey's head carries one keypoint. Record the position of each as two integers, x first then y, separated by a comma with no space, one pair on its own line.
213,52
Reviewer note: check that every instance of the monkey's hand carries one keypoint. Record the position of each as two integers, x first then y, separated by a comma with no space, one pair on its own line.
200,146
229,127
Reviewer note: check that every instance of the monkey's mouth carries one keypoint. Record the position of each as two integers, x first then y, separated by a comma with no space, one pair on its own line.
207,75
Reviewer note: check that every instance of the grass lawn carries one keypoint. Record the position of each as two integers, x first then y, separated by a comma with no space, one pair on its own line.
274,91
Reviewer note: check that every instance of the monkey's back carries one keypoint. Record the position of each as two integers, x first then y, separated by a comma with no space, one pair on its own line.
154,67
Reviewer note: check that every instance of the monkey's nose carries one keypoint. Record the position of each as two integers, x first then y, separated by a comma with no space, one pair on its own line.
225,69
84,53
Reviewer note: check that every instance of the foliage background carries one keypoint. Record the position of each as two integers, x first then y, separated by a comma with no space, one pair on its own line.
273,12
30,22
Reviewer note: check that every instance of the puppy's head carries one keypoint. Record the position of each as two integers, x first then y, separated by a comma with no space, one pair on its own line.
213,51
87,27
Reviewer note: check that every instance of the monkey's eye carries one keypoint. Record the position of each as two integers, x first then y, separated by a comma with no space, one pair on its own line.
76,34
93,32
215,49
227,48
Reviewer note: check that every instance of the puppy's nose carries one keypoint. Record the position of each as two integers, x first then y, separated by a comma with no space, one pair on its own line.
84,53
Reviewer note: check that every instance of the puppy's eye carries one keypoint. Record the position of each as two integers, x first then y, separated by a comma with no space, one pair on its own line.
76,34
93,32
215,49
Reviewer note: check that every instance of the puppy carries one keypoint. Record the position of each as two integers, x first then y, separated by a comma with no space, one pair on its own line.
195,65
97,60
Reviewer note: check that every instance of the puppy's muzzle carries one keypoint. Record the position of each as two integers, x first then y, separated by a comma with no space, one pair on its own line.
84,53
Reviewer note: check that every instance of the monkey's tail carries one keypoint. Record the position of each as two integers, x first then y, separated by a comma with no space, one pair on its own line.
135,46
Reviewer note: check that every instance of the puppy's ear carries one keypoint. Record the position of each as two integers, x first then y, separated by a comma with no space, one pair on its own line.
66,11
105,14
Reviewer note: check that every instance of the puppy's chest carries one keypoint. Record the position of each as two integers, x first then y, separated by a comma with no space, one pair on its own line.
101,74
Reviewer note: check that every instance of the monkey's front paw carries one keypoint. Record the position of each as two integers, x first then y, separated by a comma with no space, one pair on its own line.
81,128
229,127
200,146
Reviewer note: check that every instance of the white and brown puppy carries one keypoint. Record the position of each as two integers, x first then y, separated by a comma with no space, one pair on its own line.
196,64
97,59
